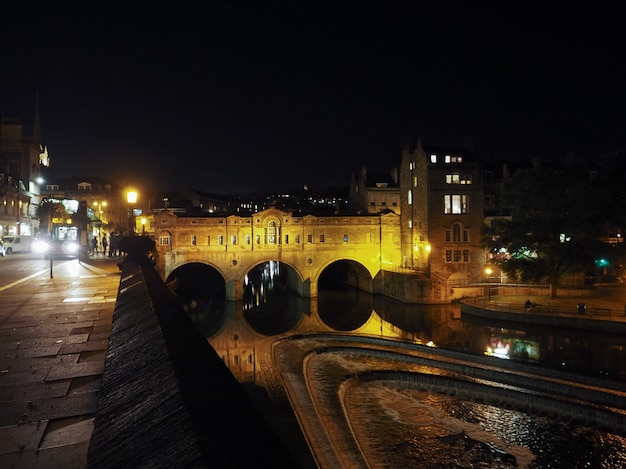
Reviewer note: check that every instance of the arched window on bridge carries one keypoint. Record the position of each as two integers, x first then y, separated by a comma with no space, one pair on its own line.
271,232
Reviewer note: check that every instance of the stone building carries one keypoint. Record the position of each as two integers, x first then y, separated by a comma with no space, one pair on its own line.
21,159
442,212
375,192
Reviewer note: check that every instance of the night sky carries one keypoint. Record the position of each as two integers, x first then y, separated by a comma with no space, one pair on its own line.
231,97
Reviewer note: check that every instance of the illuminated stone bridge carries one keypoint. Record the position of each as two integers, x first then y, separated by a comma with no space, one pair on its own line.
306,245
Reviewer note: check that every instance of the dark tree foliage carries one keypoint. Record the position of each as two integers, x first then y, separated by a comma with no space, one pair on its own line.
554,227
47,211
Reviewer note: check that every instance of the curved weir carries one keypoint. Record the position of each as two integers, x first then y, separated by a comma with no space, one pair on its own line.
325,374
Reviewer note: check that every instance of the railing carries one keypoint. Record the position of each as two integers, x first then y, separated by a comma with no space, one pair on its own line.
581,309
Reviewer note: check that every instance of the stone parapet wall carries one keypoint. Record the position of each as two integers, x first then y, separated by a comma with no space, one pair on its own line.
167,399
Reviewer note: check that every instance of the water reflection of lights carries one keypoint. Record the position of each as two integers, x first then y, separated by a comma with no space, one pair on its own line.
498,352
259,283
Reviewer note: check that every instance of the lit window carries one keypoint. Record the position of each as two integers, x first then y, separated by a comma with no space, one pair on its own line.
271,232
456,203
433,158
410,197
247,238
233,239
345,237
220,240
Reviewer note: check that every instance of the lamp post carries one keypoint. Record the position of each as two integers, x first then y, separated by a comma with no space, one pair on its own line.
131,198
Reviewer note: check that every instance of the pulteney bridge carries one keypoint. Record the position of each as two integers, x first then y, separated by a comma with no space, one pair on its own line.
307,245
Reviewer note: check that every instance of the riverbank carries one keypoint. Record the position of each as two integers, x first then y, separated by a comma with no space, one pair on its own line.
604,311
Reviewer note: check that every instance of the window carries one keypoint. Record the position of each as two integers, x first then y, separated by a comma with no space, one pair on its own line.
433,158
457,255
345,237
286,239
208,240
322,238
297,239
453,159
258,239
271,232
457,178
456,233
193,240
372,201
220,240
456,204
164,240
410,198
309,238
233,239
414,181
247,239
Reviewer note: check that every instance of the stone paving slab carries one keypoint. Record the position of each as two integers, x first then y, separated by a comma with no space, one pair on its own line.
53,339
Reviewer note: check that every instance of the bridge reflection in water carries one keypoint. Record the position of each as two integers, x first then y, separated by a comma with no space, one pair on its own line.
399,406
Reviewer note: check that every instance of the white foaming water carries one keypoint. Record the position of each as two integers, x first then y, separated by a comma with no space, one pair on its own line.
399,425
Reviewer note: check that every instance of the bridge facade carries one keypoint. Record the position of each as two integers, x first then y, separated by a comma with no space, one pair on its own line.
306,245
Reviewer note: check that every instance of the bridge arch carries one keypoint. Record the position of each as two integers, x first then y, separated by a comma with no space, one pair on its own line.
346,271
307,244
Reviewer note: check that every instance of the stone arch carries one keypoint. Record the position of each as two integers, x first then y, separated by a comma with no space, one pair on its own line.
349,271
294,277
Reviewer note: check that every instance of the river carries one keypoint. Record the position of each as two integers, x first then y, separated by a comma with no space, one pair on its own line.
398,424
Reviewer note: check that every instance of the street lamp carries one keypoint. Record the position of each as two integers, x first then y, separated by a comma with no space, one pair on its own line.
131,198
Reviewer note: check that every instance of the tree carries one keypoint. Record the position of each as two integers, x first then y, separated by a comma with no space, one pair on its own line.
553,227
49,210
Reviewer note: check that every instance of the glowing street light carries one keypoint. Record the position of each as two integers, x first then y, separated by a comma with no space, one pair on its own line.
131,198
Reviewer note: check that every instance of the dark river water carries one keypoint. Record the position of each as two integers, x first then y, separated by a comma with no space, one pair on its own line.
439,431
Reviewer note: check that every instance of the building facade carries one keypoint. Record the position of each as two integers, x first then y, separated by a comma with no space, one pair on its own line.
442,214
21,160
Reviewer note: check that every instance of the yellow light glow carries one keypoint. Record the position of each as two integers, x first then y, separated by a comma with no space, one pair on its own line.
131,197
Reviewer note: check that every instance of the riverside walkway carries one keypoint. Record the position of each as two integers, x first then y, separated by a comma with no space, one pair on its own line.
54,334
602,309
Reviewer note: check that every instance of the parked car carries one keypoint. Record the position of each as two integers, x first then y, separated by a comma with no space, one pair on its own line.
2,249
14,244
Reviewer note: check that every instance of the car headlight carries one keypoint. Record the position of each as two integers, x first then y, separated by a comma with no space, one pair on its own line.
71,247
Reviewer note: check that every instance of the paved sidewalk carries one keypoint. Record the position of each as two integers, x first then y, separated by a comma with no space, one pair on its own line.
54,334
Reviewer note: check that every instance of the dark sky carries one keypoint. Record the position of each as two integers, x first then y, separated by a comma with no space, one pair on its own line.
228,97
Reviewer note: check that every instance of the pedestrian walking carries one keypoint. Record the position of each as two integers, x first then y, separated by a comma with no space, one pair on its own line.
104,244
94,245
113,244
